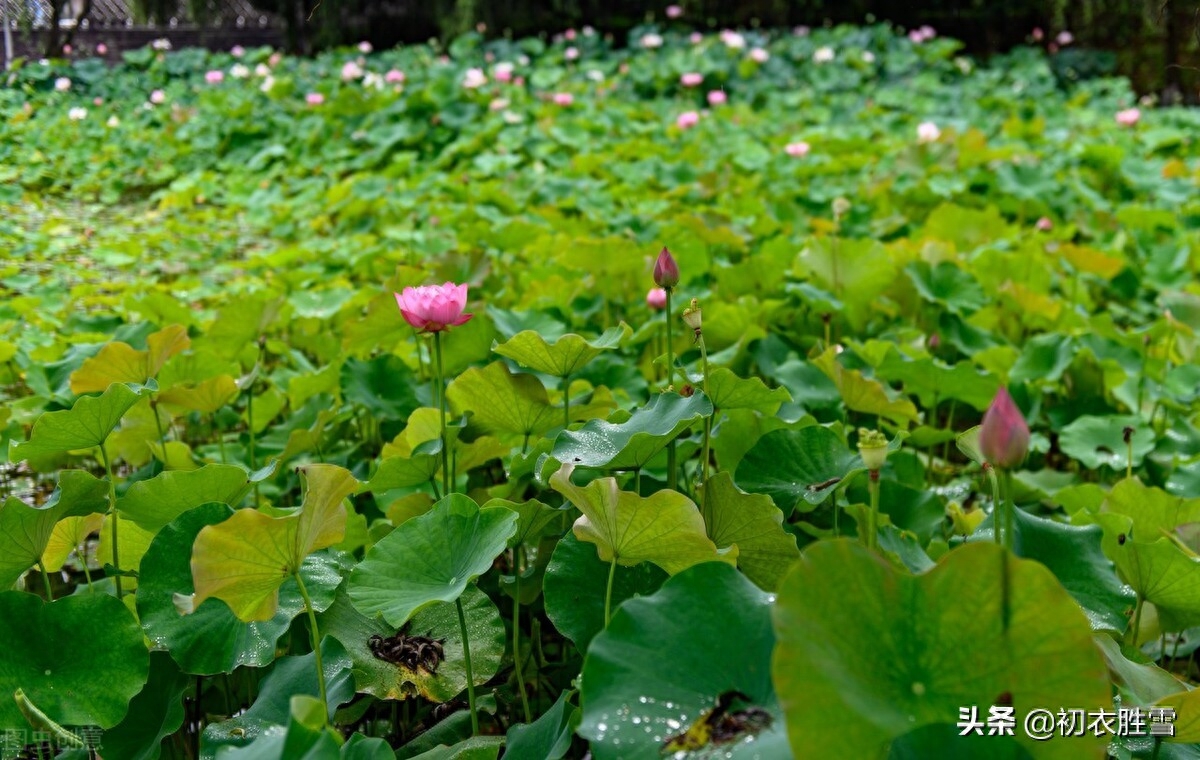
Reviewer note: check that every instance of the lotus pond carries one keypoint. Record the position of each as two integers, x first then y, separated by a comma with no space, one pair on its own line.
255,507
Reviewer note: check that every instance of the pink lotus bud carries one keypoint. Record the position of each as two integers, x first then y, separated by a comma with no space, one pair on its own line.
97,101
691,79
1004,435
570,34
237,51
927,131
571,54
717,98
395,76
759,55
666,271
687,119
674,11
797,149
563,98
216,76
102,49
158,97
696,38
67,49
365,47
1044,224
314,98
1037,34
656,299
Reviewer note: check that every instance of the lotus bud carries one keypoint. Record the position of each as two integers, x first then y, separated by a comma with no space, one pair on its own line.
1004,435
873,448
691,317
666,271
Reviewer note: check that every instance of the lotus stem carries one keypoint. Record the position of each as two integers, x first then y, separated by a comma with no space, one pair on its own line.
462,627
672,475
112,511
316,644
517,636
612,573
440,396
873,522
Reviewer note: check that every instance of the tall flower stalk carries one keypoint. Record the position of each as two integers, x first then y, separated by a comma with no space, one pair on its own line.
666,276
433,310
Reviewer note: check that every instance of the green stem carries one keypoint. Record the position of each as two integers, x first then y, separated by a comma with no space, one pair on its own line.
441,401
162,439
566,389
220,437
462,627
612,573
250,430
637,481
670,353
1131,638
997,505
316,644
709,419
46,581
949,426
873,523
1010,538
112,511
517,637
1129,457
672,474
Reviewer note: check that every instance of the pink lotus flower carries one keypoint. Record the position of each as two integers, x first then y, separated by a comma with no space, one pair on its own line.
474,79
503,72
563,98
216,76
571,54
1064,38
656,299
67,49
759,55
1128,117
666,271
314,98
696,38
1004,435
717,97
97,101
570,34
237,51
1037,34
1044,224
351,70
691,79
158,97
62,84
395,76
927,131
365,47
674,11
687,119
434,308
797,149
102,49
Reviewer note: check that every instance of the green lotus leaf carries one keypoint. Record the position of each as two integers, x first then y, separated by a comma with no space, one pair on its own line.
667,659
154,714
754,524
1159,569
905,653
156,502
1097,441
211,639
798,469
206,396
533,519
947,284
504,402
431,558
863,394
549,736
728,391
402,472
665,528
244,560
85,664
475,748
931,381
384,385
120,362
1154,512
86,424
631,444
388,680
576,583
563,357
25,531
289,677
